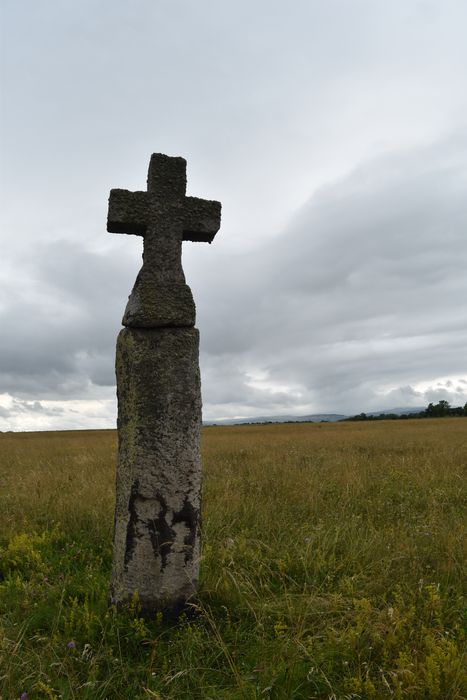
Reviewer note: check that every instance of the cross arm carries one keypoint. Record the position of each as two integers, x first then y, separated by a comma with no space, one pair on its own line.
128,212
202,219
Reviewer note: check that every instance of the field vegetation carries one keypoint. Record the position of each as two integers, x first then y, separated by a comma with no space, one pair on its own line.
332,568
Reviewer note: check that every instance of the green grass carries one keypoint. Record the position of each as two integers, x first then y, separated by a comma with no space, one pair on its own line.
332,568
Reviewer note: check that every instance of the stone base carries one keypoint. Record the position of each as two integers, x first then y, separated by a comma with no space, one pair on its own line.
170,612
156,542
156,304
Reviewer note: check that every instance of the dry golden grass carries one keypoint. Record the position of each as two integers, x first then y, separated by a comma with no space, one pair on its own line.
61,477
333,567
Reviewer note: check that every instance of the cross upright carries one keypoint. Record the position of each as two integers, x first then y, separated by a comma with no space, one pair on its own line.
156,551
165,217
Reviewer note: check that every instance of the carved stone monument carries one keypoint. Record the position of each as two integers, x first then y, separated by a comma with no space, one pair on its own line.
156,540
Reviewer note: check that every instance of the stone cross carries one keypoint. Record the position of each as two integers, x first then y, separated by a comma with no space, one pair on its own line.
156,537
165,217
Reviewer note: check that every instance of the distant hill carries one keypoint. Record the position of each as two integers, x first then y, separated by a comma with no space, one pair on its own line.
397,411
312,418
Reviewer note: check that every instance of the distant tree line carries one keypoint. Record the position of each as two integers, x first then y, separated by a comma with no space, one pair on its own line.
440,410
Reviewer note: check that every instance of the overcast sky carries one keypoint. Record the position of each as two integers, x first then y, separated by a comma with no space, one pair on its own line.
334,133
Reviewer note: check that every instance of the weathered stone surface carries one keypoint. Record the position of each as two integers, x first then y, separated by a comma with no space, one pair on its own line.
128,213
152,304
165,217
202,219
156,547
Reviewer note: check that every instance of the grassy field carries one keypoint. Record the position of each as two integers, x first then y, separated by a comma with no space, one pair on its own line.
332,568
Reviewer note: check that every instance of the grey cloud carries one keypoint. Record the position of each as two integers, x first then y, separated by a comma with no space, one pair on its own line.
62,321
334,294
408,396
365,289
21,408
260,98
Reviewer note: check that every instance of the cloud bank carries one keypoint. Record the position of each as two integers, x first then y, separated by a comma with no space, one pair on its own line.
334,135
354,306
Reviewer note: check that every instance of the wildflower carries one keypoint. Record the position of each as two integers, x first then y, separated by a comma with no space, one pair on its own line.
71,645
23,696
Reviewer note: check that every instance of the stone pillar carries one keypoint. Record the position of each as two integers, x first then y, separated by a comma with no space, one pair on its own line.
159,469
156,541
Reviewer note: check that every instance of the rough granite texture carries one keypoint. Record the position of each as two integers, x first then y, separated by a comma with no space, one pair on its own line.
156,541
165,217
156,546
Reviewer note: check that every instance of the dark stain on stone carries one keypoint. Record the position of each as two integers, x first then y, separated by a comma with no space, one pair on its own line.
188,515
160,532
